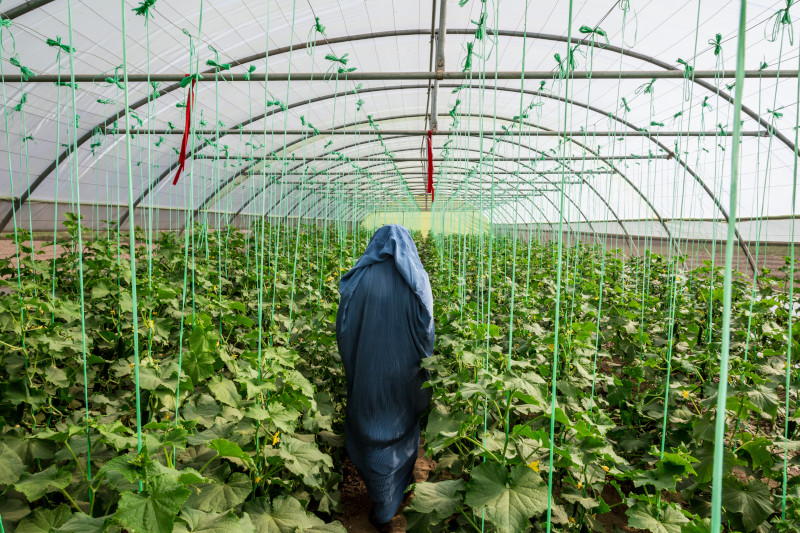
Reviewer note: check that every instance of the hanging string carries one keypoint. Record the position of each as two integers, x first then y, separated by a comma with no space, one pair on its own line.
722,391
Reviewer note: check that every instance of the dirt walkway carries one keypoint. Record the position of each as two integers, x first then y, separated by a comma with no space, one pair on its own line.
357,504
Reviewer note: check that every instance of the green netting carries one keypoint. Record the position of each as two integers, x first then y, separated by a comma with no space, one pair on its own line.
609,238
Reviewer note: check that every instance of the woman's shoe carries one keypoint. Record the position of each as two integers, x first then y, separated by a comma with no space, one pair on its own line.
382,527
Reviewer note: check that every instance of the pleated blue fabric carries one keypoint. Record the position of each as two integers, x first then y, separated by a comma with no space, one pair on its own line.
384,327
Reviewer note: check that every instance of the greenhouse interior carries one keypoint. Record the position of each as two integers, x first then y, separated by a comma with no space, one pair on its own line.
446,266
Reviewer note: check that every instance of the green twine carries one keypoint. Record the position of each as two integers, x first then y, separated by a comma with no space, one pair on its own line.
722,392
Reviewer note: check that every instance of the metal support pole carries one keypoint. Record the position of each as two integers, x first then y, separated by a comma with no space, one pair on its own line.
411,76
440,38
476,159
413,133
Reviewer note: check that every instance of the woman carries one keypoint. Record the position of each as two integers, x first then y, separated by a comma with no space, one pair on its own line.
384,327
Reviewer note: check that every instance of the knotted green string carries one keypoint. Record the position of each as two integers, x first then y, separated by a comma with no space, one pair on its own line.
143,9
780,18
593,33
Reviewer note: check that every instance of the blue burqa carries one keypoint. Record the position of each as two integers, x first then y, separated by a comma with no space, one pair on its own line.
384,328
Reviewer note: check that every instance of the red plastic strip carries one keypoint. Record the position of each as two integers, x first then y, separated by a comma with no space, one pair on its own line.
186,131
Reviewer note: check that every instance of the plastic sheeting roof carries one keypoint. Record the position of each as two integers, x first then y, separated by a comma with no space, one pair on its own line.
667,176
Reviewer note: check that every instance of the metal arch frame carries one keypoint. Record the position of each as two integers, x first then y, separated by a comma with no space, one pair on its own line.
243,170
742,244
501,139
23,8
594,109
34,4
385,162
378,163
528,182
504,182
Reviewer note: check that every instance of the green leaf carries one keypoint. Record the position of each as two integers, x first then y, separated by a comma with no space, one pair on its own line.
645,516
286,515
432,504
758,449
510,499
83,523
198,521
224,390
752,501
226,448
220,497
34,486
202,407
304,459
45,520
153,511
13,510
56,376
442,498
11,466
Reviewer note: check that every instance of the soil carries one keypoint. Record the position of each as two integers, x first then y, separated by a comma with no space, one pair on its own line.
616,519
357,504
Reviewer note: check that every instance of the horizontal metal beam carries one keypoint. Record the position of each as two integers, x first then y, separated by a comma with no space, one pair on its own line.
487,158
410,76
413,133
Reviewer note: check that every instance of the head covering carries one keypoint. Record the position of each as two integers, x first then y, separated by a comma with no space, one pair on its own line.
394,242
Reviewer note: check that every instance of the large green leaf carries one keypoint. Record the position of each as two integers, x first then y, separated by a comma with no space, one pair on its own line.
202,407
441,499
432,504
196,521
152,511
83,523
644,516
510,499
11,466
224,390
198,362
220,497
34,486
304,459
226,448
286,515
45,520
753,501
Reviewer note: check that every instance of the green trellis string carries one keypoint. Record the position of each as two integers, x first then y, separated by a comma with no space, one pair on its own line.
722,392
559,269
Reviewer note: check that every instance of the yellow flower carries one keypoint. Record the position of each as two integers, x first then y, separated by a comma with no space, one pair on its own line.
217,344
604,467
330,278
132,365
580,485
685,394
215,288
275,438
551,346
534,465
571,520
258,479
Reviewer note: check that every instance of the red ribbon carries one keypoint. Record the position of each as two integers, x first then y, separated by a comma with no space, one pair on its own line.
430,166
184,142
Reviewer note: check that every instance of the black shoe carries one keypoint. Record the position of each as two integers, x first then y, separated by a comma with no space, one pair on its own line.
382,527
